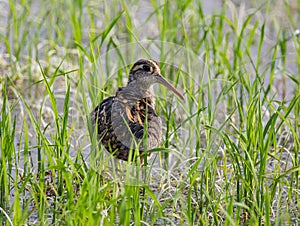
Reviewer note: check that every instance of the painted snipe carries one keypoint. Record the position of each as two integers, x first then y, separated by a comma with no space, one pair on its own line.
127,122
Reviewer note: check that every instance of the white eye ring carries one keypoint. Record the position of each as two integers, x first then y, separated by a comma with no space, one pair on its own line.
147,68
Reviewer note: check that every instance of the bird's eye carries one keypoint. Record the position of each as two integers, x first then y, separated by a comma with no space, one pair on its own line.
146,68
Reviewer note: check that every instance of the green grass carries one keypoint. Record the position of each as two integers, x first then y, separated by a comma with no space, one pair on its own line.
230,153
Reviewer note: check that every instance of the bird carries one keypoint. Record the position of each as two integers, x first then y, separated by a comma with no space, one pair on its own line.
127,124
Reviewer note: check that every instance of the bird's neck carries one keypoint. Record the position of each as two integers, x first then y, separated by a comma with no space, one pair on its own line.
135,92
143,89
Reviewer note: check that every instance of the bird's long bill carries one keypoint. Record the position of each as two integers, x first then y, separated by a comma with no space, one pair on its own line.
164,82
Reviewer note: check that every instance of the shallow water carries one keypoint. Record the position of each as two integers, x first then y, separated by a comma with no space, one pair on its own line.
283,88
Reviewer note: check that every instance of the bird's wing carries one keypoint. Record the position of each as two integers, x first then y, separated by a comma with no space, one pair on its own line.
145,123
101,116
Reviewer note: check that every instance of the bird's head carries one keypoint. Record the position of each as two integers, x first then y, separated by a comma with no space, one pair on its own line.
145,73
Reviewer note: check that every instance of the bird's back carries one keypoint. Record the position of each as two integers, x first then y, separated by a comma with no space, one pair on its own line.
123,125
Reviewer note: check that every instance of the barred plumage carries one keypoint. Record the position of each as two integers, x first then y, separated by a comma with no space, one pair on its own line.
121,119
